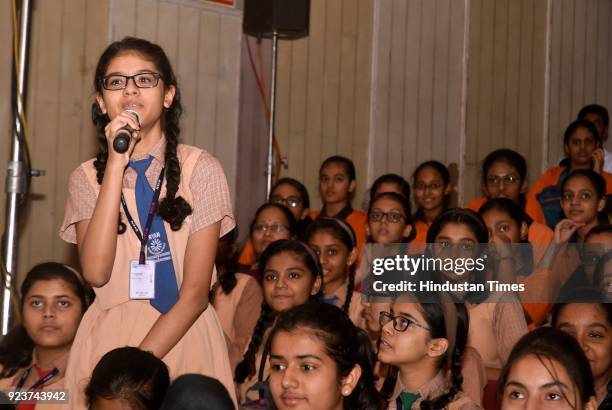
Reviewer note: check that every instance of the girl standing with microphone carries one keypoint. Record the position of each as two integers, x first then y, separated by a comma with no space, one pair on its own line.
146,223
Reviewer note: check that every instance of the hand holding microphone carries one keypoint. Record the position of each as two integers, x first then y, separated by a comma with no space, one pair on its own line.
121,143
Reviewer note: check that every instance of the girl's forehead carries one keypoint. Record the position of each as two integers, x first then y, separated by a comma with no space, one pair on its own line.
334,168
130,61
428,173
271,213
286,189
51,287
457,229
579,182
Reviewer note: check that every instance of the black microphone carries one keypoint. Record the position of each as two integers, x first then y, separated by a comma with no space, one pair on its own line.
121,143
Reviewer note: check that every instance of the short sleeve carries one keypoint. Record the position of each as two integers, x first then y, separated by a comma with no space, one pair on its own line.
211,198
80,204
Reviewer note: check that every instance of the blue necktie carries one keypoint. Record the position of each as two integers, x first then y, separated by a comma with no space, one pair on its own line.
158,248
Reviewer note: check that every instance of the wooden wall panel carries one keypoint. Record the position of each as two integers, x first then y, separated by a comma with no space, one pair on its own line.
203,44
67,38
324,92
417,84
581,65
506,72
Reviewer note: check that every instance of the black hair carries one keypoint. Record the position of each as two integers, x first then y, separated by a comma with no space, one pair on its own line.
598,276
512,158
442,170
434,315
571,129
461,216
598,182
172,209
345,344
284,210
398,180
247,367
226,268
343,232
193,391
509,207
583,295
547,343
404,203
599,185
348,165
130,375
597,110
17,346
298,187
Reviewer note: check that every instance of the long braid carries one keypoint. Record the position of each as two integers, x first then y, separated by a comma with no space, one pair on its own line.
173,209
100,120
247,367
349,290
457,379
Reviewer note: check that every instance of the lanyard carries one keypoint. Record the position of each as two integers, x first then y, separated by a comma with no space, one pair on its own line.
144,236
40,381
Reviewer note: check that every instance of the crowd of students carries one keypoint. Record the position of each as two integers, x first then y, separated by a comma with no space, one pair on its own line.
285,320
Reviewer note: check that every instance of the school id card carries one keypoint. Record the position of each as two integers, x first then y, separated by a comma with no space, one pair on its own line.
142,280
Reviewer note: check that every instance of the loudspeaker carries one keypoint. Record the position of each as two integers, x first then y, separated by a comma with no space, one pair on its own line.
289,18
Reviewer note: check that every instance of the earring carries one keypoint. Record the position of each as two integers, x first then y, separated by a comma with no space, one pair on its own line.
346,392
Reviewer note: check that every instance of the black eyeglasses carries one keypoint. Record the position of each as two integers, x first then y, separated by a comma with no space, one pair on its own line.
400,323
507,179
289,202
392,217
116,82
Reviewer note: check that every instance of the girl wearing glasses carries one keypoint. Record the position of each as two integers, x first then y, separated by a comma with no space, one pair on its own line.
504,175
34,354
291,277
146,222
424,340
495,324
272,222
432,188
293,195
320,360
591,325
337,184
582,145
334,243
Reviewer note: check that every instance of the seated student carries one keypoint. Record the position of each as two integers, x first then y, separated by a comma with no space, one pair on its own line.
320,360
582,202
422,340
271,223
508,225
34,354
337,184
582,144
432,188
334,243
547,369
389,183
496,319
591,325
128,378
291,277
236,298
197,392
504,175
292,194
600,118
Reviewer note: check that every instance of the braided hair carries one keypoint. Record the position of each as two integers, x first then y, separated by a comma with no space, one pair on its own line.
247,367
171,208
343,232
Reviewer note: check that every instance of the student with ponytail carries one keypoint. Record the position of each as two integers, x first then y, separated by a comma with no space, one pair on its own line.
423,340
146,222
320,360
291,277
334,242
